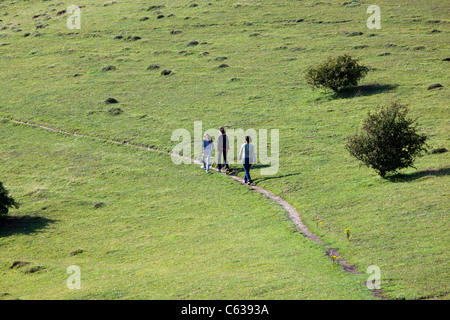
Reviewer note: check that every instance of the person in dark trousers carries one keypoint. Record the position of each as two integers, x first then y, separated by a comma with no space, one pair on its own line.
222,148
248,156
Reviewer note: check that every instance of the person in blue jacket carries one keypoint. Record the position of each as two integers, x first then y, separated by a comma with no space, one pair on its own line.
208,147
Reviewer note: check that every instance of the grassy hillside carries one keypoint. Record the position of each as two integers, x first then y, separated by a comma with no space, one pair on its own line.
140,228
53,76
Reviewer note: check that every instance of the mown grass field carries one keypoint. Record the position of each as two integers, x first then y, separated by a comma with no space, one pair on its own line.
54,78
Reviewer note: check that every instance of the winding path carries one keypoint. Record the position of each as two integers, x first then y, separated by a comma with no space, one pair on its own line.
293,214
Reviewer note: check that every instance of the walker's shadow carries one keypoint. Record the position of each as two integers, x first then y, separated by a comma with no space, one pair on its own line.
258,180
401,177
265,178
11,225
253,167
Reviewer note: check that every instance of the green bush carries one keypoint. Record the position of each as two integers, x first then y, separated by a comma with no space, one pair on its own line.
388,140
336,73
6,201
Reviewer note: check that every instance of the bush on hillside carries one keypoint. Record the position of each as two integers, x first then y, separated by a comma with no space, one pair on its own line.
336,73
388,140
6,202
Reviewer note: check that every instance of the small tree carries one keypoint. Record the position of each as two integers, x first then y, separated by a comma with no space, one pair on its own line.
6,201
388,141
336,73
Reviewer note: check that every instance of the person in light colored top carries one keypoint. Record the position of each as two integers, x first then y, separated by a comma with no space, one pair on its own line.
248,157
208,147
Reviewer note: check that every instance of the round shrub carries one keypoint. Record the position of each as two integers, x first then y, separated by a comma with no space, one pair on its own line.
336,73
6,201
388,141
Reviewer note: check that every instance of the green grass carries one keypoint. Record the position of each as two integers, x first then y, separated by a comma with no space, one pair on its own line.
399,224
164,231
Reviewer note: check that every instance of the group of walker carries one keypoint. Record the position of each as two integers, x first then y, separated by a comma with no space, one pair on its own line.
246,154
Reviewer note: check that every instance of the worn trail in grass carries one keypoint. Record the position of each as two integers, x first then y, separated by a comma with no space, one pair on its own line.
146,228
54,77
